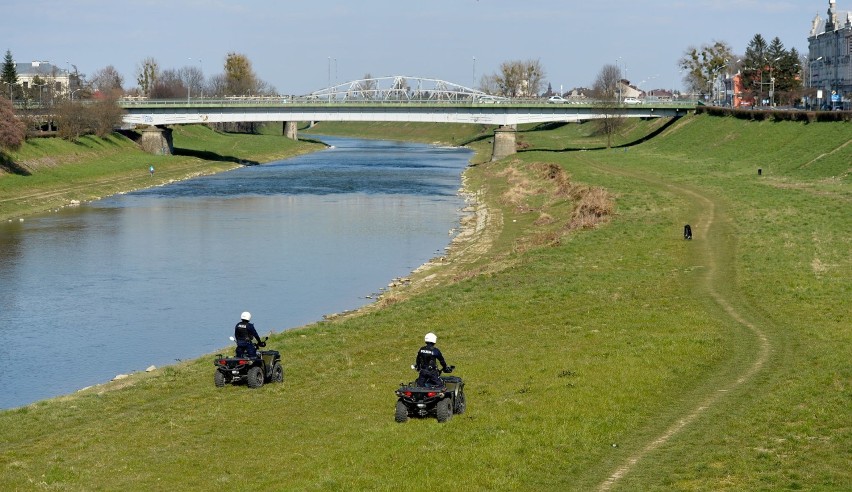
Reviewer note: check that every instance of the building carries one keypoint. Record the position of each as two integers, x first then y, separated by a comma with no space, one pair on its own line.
58,79
830,57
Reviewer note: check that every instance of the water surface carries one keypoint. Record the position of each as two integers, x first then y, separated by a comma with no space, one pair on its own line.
160,275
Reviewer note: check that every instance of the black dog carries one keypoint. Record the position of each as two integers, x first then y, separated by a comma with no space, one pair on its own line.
687,232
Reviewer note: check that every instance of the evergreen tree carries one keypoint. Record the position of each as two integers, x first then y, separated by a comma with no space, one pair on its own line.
10,74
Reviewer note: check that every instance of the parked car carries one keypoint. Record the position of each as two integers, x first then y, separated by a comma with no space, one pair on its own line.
557,100
489,99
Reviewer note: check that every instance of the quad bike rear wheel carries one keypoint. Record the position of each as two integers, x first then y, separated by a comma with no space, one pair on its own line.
219,379
461,403
401,415
277,373
444,410
255,377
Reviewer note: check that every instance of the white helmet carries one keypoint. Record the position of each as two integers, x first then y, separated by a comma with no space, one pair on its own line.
431,338
245,316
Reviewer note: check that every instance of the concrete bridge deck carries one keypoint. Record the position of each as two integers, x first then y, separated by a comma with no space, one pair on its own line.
175,112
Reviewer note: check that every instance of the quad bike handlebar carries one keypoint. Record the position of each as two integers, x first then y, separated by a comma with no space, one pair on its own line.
448,370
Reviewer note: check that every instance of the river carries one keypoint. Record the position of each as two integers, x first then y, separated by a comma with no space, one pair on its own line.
161,275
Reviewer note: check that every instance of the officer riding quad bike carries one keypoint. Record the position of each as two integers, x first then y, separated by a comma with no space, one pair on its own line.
265,368
441,401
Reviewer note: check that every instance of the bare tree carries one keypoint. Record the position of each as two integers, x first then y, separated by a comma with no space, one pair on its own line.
108,81
217,86
169,85
367,87
72,120
193,78
105,115
606,88
607,83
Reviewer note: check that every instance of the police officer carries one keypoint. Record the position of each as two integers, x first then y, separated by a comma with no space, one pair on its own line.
243,333
425,363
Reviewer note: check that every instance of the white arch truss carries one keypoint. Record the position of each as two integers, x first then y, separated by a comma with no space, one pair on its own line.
399,88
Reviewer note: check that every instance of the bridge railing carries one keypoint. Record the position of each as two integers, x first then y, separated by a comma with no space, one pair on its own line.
237,101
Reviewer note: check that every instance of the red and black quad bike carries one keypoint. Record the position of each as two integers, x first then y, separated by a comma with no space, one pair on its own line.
441,401
255,371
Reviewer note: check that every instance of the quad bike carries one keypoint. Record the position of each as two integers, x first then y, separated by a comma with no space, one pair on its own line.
265,368
441,401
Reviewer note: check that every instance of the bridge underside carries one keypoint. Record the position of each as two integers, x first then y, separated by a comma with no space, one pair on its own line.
505,117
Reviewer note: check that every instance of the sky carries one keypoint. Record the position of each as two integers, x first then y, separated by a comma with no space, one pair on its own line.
303,46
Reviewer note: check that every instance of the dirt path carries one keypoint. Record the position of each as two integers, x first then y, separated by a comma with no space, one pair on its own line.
709,254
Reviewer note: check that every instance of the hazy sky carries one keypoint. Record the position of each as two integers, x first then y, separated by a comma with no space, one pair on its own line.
292,44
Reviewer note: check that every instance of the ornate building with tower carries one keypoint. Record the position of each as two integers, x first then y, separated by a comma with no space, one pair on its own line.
830,57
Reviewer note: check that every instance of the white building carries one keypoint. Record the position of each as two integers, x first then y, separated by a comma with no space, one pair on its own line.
830,56
58,79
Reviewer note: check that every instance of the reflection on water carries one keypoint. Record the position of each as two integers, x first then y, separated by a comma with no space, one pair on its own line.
162,274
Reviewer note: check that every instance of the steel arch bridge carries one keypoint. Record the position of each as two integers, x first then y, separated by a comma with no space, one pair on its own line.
399,88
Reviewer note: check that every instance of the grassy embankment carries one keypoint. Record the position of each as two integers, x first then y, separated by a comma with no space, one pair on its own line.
620,357
49,173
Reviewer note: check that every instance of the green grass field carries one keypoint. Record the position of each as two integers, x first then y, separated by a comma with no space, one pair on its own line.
616,357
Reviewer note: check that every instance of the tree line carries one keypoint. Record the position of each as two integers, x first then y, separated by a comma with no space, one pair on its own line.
90,106
769,73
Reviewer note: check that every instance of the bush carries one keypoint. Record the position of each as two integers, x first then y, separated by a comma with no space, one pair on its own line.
13,131
75,119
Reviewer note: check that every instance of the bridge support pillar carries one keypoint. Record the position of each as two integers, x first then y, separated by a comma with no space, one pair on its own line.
504,142
157,140
291,130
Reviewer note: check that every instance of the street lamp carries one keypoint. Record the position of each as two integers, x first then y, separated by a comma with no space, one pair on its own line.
618,82
40,92
772,83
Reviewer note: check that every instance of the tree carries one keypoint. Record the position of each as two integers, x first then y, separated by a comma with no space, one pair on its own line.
607,82
104,116
367,87
12,130
192,78
108,81
10,74
771,67
72,120
606,87
704,66
147,73
517,79
240,79
169,85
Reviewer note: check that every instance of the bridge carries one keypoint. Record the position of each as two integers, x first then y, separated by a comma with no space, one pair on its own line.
400,99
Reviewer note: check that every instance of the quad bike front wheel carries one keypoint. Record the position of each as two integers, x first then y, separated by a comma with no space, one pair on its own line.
445,410
277,374
401,415
255,377
219,379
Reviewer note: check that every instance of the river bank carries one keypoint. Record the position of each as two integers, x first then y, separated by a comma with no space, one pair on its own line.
48,174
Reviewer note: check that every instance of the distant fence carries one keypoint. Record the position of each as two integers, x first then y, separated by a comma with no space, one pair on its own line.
776,114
